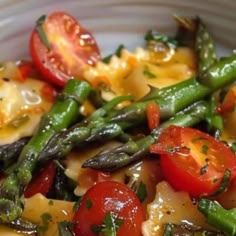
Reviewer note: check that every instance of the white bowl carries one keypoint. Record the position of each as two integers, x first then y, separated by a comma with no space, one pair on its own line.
114,21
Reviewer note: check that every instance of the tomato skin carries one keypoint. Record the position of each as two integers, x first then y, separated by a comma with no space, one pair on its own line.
42,182
106,197
193,151
72,47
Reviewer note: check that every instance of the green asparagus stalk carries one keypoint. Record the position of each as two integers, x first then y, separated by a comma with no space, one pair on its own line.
111,160
173,99
187,230
205,48
9,153
95,128
61,115
217,216
23,226
106,123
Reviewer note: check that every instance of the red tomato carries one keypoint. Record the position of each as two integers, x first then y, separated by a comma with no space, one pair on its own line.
109,197
153,115
72,47
42,182
193,161
228,103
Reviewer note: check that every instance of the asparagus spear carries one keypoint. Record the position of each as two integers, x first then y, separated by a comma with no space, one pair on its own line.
170,100
61,115
175,97
204,47
217,216
107,126
95,127
10,152
111,160
187,230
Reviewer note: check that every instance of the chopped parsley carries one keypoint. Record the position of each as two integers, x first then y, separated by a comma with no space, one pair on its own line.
168,229
224,183
50,202
76,205
233,146
141,191
41,32
204,149
148,73
162,38
89,204
117,53
109,227
46,218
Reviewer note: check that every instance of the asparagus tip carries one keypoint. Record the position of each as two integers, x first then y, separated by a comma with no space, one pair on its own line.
9,210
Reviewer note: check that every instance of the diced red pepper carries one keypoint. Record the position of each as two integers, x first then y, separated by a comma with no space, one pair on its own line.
228,103
153,115
42,181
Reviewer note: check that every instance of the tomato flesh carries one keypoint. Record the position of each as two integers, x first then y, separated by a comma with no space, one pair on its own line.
72,48
193,161
109,197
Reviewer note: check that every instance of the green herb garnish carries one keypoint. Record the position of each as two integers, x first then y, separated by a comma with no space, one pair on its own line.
41,32
141,191
89,204
168,228
224,183
204,149
162,38
117,53
46,218
76,205
148,73
50,202
109,227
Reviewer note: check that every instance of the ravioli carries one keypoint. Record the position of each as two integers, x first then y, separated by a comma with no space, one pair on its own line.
134,73
21,104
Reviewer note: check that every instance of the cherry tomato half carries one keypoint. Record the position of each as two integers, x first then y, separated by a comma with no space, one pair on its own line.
193,161
105,198
72,47
42,181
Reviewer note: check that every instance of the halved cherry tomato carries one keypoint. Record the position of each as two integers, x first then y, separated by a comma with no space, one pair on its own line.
105,198
72,47
153,115
42,182
193,161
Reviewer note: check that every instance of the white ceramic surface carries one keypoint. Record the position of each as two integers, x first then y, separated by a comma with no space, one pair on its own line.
114,21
